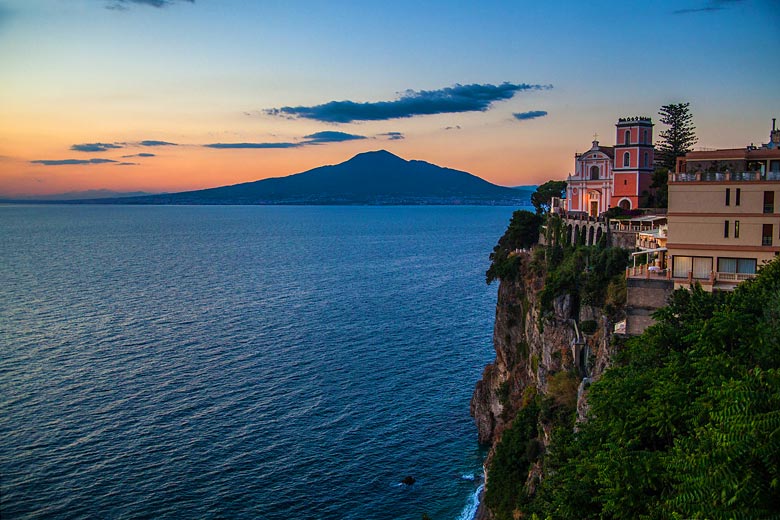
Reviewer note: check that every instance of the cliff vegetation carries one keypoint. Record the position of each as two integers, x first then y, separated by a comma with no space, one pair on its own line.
680,422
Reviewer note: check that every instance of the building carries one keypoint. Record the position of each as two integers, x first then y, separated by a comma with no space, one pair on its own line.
723,217
607,176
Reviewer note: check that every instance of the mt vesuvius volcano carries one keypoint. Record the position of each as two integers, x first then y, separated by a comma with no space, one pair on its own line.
377,177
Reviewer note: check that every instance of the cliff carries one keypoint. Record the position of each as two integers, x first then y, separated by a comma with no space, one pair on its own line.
543,357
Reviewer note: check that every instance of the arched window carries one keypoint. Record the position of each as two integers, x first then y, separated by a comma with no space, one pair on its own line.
644,137
628,137
626,160
594,172
647,160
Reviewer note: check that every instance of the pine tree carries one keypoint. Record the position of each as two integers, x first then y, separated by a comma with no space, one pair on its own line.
679,138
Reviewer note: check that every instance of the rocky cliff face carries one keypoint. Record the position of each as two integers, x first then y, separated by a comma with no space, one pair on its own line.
530,349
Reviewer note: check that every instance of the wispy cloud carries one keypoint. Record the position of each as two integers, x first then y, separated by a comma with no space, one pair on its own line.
393,136
252,145
67,162
710,6
456,127
330,137
123,5
156,143
94,147
315,138
411,103
126,164
142,154
532,114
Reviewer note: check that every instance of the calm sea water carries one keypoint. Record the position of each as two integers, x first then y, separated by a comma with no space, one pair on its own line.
242,362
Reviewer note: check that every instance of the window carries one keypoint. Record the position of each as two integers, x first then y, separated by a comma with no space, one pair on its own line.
647,159
628,137
726,229
699,267
737,265
644,137
728,196
626,159
736,229
769,202
766,235
736,197
594,172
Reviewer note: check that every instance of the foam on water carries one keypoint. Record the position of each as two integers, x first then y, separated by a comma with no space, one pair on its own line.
470,511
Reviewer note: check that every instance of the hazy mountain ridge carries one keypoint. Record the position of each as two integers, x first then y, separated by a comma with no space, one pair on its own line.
377,177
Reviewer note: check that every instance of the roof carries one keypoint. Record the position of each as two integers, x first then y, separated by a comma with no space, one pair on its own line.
609,151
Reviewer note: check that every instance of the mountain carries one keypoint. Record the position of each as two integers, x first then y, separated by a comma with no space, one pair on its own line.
377,177
78,195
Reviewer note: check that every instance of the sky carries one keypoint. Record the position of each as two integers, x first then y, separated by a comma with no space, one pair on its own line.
175,95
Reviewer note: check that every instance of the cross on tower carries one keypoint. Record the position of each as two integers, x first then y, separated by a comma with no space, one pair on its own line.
595,137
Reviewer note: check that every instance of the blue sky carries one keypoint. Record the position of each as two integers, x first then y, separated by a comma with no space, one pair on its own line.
207,72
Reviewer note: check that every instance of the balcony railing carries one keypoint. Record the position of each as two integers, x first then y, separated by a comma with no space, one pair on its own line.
766,241
724,176
735,277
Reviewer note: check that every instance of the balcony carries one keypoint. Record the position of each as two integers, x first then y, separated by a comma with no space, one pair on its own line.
766,241
734,277
724,176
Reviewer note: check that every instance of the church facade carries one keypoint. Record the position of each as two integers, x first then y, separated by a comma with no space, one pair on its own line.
607,176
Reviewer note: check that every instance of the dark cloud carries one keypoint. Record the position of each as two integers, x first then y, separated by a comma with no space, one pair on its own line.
456,127
330,137
122,5
94,147
65,162
711,6
156,143
459,98
315,138
142,154
533,114
126,164
393,136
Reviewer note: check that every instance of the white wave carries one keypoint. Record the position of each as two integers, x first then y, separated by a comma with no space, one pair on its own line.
468,476
470,510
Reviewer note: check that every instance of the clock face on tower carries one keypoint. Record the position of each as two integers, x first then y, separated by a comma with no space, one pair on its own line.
574,191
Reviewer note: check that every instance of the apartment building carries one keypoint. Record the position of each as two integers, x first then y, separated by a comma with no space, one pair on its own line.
724,214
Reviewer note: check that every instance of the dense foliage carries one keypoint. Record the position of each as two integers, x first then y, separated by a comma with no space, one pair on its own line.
686,424
583,272
543,195
522,233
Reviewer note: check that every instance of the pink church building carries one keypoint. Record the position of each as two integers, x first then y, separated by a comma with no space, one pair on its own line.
607,176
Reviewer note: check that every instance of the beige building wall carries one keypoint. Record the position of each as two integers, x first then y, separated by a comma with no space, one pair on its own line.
707,223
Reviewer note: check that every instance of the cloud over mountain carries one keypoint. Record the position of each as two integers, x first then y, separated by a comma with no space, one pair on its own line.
393,136
94,147
156,143
67,162
411,103
532,114
315,138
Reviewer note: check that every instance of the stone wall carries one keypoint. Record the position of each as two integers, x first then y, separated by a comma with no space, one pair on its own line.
643,297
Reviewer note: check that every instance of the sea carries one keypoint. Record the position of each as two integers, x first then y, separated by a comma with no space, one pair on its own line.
232,362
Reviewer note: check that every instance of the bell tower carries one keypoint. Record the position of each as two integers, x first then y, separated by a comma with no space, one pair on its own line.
633,163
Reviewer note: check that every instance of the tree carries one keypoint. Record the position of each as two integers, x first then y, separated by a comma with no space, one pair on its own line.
522,233
543,195
679,138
